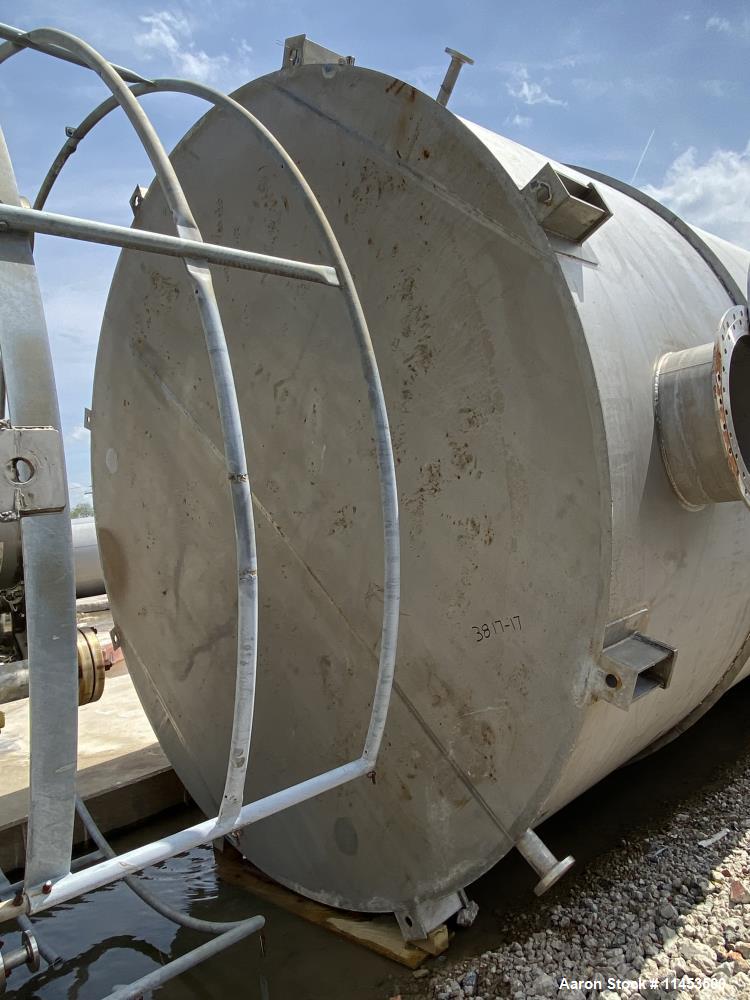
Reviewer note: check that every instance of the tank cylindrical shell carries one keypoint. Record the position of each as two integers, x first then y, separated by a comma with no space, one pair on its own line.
88,566
537,517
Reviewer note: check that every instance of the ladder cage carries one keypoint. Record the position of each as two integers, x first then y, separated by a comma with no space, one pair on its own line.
32,401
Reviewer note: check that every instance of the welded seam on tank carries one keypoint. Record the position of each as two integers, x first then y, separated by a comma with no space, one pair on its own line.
427,183
544,254
572,256
173,400
130,647
429,732
209,310
481,218
433,187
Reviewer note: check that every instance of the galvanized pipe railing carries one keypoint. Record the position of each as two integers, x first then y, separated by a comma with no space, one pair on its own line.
48,563
143,987
232,815
227,404
149,898
101,874
386,466
30,220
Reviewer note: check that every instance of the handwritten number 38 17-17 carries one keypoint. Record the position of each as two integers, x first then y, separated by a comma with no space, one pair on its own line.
500,625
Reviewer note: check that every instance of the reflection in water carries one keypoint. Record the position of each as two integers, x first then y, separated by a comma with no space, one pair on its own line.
75,971
110,938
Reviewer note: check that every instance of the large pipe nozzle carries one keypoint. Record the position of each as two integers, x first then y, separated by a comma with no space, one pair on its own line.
702,410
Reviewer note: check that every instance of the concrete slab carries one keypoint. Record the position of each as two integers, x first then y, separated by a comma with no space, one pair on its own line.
123,774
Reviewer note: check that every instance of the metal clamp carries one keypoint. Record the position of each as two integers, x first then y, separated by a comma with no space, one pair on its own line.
32,476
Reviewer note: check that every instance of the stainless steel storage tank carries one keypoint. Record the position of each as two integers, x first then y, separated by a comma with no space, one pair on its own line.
520,313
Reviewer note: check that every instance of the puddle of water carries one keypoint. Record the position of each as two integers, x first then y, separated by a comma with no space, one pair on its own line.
110,938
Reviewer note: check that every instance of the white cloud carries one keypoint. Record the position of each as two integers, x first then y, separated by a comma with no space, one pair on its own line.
717,88
569,61
525,90
718,24
520,121
79,492
170,33
713,194
591,88
78,433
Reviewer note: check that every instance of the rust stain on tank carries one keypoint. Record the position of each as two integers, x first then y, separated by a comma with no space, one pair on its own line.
461,457
421,357
431,485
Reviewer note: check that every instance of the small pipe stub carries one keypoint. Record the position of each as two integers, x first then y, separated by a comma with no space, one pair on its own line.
458,59
543,861
27,954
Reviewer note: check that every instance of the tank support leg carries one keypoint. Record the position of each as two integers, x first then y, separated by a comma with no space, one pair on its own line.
543,861
420,918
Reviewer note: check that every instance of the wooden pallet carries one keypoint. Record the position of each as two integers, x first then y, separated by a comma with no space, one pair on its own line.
380,933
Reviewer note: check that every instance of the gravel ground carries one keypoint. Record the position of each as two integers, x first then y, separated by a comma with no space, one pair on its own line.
665,914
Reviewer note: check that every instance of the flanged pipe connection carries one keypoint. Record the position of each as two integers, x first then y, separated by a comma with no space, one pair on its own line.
543,861
702,410
94,659
27,954
458,61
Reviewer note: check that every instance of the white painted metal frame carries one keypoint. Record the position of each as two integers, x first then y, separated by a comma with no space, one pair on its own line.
233,815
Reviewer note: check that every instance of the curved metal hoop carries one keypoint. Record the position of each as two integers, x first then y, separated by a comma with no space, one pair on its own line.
232,815
389,496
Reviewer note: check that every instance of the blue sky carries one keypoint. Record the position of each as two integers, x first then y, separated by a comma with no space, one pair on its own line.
586,82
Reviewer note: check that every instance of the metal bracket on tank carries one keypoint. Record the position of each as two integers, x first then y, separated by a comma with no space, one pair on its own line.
299,50
632,667
137,198
565,207
32,464
423,916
